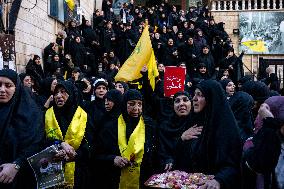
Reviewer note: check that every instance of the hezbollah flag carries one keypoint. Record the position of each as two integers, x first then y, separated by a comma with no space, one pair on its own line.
143,54
255,45
70,4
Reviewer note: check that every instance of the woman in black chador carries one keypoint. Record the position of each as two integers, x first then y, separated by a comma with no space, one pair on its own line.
21,132
117,164
211,144
171,130
68,125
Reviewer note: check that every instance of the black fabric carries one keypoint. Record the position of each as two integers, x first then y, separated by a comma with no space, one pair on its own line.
181,93
21,130
105,174
116,97
241,104
258,90
218,149
132,94
224,83
64,116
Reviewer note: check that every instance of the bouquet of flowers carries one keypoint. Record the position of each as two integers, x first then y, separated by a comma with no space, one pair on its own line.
178,180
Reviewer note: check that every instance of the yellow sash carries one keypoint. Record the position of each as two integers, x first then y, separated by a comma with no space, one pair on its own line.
73,136
133,151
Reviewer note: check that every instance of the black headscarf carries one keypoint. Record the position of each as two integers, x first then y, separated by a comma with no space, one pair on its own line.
224,83
21,129
131,122
218,149
116,97
65,114
125,86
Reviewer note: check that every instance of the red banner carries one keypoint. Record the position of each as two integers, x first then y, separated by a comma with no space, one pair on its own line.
174,80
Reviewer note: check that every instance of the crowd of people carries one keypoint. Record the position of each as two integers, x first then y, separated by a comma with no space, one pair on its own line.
119,133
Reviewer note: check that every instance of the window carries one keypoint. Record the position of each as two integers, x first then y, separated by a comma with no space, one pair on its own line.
59,10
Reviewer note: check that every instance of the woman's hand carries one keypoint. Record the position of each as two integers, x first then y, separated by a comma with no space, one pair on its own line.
120,161
191,133
7,173
210,184
70,151
49,100
60,155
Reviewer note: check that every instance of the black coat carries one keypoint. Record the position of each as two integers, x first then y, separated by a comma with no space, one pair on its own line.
106,175
217,150
241,104
21,132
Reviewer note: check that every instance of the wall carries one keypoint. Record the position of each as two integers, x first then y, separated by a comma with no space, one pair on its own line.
231,18
35,29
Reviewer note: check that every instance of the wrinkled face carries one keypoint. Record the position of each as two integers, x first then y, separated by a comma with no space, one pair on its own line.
37,61
119,86
53,85
27,82
100,91
199,101
60,97
161,68
134,108
230,88
7,89
205,50
108,104
203,70
56,58
182,105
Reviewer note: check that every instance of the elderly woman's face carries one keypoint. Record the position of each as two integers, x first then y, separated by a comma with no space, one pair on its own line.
7,89
182,105
199,101
134,108
60,97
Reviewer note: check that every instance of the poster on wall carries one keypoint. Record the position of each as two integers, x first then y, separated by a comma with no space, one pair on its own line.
262,32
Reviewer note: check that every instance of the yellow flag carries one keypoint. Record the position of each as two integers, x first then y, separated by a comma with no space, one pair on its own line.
140,56
152,70
70,4
255,45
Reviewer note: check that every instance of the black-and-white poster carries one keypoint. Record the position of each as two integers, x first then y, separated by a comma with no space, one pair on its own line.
48,172
262,32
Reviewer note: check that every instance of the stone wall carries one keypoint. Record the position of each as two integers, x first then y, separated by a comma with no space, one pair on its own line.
231,20
35,29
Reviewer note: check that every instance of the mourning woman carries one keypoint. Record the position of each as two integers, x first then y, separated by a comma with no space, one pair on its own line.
171,130
211,142
21,132
67,124
241,104
122,164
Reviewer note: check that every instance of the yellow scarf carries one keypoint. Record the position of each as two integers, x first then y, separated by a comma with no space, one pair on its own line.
133,151
73,136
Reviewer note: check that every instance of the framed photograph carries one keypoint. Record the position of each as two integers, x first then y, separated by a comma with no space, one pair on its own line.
262,32
47,171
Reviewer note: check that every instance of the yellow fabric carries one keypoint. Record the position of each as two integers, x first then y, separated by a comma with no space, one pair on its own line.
152,70
140,56
70,4
133,151
255,45
74,136
65,75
